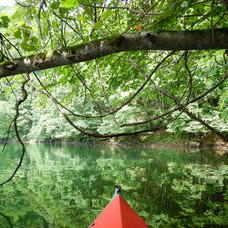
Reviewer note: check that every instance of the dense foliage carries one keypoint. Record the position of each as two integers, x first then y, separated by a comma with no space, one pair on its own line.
180,91
108,88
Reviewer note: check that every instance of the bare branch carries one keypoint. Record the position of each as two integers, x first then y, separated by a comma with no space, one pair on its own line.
17,114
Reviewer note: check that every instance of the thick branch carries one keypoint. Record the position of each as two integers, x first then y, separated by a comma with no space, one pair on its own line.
169,40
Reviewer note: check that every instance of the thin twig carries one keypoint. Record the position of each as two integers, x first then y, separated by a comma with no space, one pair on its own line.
68,24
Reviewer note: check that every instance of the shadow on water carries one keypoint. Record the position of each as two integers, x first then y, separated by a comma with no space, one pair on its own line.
67,186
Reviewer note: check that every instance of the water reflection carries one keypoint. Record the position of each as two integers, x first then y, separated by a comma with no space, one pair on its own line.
67,186
6,220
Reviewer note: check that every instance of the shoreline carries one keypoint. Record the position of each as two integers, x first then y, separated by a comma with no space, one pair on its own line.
189,145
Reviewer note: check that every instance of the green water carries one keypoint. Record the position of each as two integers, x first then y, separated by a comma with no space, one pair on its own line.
67,186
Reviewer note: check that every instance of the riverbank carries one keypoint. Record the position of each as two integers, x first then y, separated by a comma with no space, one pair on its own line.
159,140
164,140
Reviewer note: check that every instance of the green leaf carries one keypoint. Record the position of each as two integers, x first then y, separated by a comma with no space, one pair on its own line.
98,25
25,45
34,40
69,3
30,44
27,33
106,14
4,21
17,34
55,5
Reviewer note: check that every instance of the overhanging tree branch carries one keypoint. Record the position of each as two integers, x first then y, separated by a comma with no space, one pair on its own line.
168,40
114,110
14,122
184,106
179,107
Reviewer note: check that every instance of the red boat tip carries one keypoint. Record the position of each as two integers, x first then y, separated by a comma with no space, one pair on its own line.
118,214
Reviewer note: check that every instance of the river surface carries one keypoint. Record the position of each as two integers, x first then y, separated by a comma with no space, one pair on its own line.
66,186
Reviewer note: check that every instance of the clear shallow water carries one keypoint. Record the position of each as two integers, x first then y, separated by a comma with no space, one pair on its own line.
67,186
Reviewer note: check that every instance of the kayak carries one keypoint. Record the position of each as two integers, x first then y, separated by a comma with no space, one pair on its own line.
118,214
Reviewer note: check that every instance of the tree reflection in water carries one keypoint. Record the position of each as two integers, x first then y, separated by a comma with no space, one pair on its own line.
67,186
7,220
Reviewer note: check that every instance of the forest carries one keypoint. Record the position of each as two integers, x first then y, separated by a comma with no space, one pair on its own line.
141,67
136,71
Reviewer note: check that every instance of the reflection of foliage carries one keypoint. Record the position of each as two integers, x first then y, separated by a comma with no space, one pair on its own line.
6,220
114,86
197,192
68,187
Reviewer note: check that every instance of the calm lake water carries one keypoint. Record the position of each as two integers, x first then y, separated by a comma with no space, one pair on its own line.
67,186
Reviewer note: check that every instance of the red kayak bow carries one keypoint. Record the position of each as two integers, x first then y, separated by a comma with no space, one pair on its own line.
118,214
